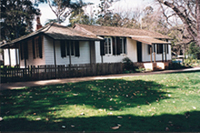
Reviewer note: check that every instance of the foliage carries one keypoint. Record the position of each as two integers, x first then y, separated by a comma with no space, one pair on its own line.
105,13
128,64
16,18
78,16
62,8
193,50
167,102
175,65
191,62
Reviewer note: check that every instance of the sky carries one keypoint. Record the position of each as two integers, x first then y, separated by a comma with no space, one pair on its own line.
122,5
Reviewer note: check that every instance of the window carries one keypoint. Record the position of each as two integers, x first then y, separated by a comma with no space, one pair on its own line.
122,46
24,50
72,48
159,48
33,48
68,48
77,50
38,47
62,49
167,46
149,49
108,45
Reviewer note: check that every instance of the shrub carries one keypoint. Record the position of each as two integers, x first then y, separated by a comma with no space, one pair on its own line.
175,65
191,62
128,64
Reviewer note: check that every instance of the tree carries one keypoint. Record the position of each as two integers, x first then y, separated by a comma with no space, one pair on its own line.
16,18
154,21
188,12
193,50
105,13
62,8
78,16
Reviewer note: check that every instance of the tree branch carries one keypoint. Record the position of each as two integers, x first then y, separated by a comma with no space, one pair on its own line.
184,18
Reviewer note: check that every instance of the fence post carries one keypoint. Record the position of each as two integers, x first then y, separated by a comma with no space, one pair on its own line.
55,71
6,78
31,72
23,75
28,73
38,71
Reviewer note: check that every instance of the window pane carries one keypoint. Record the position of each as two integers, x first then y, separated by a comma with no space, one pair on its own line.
121,45
105,46
109,45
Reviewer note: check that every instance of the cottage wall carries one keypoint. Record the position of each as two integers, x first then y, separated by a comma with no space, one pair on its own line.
31,61
14,59
146,57
97,51
107,58
131,53
132,49
49,53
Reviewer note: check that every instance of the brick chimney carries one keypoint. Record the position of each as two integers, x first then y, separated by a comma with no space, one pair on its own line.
38,25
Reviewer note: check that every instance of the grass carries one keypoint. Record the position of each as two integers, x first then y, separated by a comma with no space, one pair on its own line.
167,102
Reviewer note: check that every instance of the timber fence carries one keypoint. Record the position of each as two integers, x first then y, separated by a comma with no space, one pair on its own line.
44,72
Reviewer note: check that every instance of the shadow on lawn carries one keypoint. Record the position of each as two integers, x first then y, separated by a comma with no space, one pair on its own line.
116,94
166,122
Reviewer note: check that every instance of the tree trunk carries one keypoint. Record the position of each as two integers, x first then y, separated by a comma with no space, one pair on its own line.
198,22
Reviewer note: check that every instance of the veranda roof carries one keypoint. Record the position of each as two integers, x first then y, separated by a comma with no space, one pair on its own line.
57,32
148,40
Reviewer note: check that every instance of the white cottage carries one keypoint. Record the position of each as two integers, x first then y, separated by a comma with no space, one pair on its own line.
55,44
141,46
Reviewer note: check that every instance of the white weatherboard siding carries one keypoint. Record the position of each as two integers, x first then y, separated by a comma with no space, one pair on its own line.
59,59
132,49
146,57
31,61
131,53
13,57
49,53
97,51
84,53
169,56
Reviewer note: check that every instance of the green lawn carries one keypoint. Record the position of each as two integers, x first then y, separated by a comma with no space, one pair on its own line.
168,102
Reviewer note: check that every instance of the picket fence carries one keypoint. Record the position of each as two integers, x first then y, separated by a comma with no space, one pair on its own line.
44,72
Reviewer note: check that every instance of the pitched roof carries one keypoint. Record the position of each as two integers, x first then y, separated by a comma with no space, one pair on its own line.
148,40
57,32
120,31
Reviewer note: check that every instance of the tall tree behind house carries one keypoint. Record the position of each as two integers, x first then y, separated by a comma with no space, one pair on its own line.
188,11
16,18
62,8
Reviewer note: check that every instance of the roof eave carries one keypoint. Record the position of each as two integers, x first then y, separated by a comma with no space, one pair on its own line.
15,41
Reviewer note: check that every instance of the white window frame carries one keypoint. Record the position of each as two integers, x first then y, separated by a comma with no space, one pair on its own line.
107,46
122,45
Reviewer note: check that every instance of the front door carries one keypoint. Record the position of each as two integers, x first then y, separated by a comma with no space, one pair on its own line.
139,52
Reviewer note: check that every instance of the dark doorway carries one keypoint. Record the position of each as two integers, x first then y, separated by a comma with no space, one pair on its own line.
139,51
